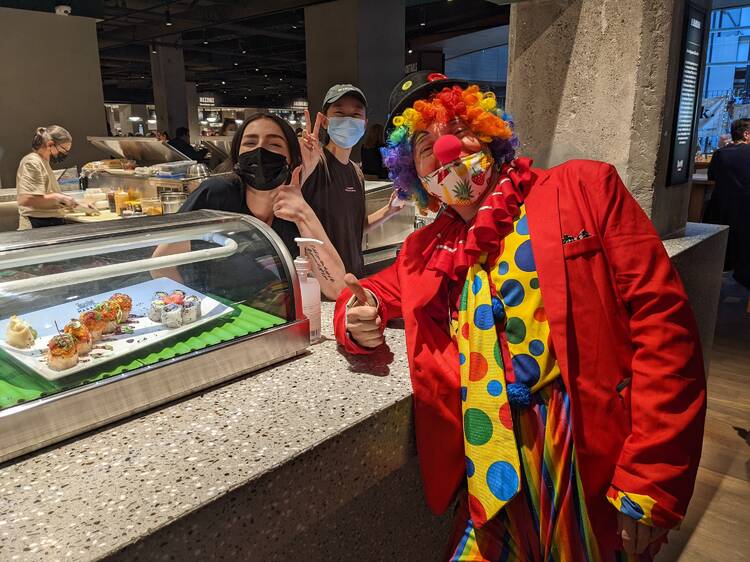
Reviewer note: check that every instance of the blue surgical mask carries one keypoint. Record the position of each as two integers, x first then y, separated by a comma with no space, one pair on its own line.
346,131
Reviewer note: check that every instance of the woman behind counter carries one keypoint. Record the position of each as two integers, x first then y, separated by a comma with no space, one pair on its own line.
267,163
40,199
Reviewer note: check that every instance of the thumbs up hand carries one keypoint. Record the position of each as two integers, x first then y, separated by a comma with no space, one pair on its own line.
362,318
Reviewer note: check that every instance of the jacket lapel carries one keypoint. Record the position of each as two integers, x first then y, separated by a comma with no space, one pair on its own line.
543,212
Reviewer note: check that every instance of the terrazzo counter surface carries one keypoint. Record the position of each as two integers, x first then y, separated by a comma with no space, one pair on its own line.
103,494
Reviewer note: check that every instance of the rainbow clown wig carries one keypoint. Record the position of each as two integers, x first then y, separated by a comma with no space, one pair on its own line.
477,109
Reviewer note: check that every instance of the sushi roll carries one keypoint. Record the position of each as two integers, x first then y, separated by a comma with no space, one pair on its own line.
112,314
154,311
161,296
177,296
125,303
84,340
171,315
61,352
94,322
191,309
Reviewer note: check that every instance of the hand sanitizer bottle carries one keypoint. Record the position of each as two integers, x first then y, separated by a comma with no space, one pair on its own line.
309,287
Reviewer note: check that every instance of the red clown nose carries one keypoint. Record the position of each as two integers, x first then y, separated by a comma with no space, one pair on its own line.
447,149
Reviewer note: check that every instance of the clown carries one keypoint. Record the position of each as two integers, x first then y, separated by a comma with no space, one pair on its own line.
559,391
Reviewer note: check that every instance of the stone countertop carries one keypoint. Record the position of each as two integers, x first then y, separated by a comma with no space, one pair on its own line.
91,496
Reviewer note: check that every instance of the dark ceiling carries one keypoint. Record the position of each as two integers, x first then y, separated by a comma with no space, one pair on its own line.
247,52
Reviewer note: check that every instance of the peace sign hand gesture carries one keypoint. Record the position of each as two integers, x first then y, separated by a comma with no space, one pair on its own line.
309,145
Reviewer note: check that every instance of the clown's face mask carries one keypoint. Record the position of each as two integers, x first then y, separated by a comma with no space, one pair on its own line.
452,163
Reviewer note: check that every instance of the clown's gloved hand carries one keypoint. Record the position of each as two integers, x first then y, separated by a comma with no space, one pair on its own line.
362,319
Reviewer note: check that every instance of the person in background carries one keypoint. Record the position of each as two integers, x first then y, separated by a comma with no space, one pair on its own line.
559,388
228,127
163,136
372,160
332,184
40,199
182,143
730,200
267,164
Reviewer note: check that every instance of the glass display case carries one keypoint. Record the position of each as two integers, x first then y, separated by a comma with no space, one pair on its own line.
100,321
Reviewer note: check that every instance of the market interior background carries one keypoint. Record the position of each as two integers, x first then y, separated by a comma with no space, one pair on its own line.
583,78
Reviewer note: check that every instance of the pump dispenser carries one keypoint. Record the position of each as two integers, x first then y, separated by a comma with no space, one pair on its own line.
309,286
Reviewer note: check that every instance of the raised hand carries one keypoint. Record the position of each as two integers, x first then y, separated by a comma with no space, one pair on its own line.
362,318
288,203
309,145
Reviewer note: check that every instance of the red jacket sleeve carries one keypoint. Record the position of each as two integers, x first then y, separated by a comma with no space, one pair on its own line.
659,460
385,286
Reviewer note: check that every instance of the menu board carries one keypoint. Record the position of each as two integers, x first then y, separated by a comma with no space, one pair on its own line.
687,95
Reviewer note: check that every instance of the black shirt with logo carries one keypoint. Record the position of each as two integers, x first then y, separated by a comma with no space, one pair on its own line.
337,195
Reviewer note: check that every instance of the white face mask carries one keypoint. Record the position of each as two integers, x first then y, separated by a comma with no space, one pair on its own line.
346,131
461,182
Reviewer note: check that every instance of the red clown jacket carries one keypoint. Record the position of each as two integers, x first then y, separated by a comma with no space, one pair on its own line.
618,314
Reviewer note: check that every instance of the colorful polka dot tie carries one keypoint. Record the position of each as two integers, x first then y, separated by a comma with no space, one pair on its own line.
503,295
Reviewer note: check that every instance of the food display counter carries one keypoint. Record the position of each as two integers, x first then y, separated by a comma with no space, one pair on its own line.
98,321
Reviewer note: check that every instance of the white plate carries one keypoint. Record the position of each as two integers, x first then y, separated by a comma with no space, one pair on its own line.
112,346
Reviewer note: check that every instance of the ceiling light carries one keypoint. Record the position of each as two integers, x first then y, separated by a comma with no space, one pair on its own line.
257,70
244,51
411,51
152,121
223,83
212,119
134,118
239,121
236,64
205,38
153,49
422,24
204,122
168,21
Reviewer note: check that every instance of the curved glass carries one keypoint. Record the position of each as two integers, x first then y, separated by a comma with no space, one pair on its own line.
193,282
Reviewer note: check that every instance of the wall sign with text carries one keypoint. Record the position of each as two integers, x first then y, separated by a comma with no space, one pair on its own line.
687,95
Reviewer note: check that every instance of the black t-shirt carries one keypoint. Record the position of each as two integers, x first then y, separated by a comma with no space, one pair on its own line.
224,194
338,199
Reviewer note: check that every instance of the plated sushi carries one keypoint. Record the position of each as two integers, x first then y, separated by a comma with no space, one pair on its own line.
19,333
61,352
154,311
111,313
94,322
171,315
82,336
125,303
191,309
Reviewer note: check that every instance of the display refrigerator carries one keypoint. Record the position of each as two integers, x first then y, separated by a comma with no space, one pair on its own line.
101,321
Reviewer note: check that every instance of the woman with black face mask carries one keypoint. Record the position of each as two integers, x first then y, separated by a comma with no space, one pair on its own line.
266,160
40,199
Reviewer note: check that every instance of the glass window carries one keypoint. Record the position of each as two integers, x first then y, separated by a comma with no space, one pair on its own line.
487,65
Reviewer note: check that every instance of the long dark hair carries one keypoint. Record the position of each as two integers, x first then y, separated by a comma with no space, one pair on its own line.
295,155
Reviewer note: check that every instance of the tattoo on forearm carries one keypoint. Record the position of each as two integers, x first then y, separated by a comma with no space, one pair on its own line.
312,254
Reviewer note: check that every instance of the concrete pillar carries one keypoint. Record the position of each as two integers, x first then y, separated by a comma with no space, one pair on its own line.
191,99
50,76
359,42
597,79
168,77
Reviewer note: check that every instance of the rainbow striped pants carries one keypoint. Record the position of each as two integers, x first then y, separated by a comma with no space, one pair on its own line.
547,520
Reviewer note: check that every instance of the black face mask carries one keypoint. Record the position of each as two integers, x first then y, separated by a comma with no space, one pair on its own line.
262,169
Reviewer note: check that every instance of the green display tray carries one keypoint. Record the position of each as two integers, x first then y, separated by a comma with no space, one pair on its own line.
20,384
